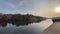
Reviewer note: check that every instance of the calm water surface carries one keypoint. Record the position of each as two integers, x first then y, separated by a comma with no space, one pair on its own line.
33,28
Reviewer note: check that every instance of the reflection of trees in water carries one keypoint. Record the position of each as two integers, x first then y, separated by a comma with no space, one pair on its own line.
17,23
3,24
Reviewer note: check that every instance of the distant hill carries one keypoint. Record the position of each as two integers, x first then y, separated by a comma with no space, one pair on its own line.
19,19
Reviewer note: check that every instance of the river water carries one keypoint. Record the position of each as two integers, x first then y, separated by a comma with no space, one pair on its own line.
33,28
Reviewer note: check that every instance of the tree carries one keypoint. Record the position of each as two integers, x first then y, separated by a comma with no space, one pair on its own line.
4,18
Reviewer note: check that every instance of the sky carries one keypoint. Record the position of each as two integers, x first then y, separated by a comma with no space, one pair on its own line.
36,7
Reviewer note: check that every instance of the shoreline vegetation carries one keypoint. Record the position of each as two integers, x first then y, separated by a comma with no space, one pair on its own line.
19,19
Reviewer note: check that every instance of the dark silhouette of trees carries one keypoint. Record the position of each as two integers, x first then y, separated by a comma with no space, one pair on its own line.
18,19
4,18
57,19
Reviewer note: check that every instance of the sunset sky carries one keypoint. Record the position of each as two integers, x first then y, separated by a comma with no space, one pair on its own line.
35,7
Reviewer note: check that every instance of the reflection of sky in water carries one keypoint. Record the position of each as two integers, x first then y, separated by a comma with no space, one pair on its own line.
35,28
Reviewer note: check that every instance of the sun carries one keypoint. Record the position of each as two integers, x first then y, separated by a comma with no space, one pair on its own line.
57,9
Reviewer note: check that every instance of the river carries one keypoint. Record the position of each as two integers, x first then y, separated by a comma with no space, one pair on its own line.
33,28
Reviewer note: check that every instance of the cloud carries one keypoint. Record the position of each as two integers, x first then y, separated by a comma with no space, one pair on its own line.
11,5
22,6
36,7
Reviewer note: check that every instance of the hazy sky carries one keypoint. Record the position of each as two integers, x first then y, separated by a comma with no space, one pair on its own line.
36,7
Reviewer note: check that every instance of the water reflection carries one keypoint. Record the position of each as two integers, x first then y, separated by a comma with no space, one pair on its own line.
4,22
17,23
23,27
